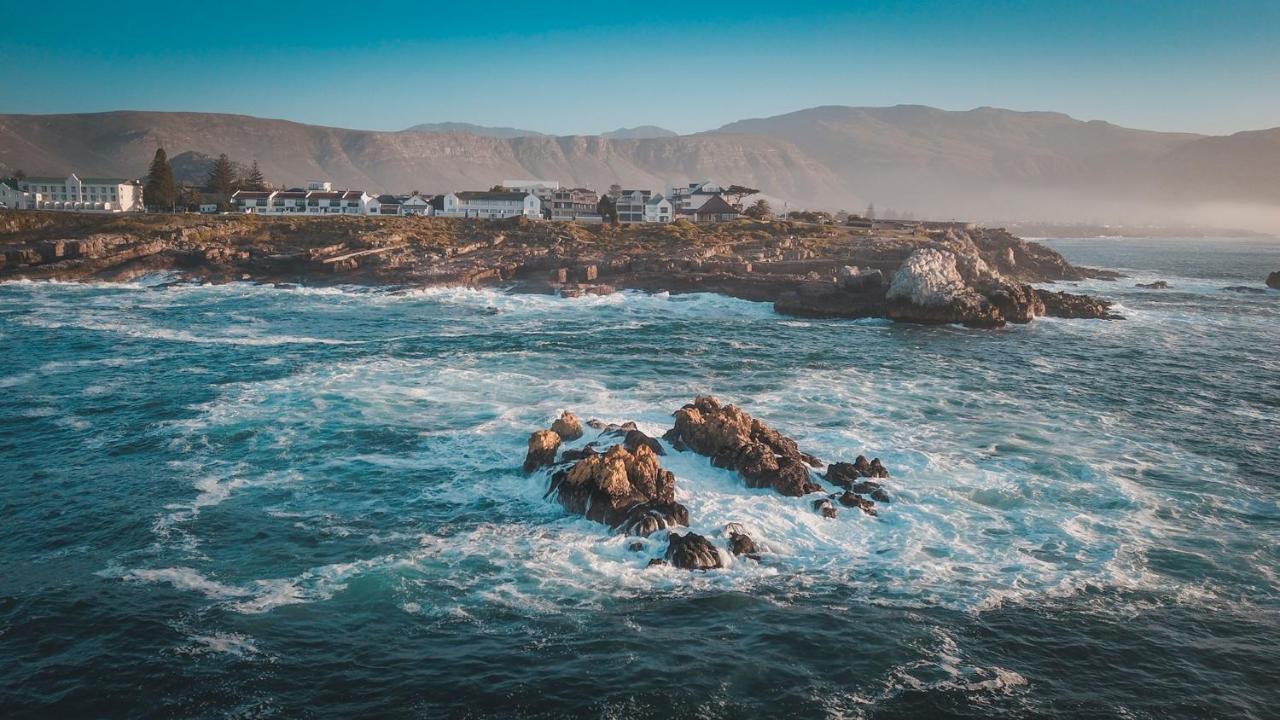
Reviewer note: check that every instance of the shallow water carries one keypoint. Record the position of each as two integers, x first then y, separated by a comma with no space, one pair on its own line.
240,501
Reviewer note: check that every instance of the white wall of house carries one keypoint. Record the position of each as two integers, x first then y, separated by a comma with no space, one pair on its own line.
88,195
659,212
491,209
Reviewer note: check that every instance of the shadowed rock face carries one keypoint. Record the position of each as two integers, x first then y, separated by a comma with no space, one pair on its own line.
1080,307
734,440
626,490
692,551
1273,280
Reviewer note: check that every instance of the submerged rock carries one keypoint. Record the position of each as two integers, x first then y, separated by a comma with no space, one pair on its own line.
824,507
542,450
1157,285
740,543
567,426
692,551
734,440
626,490
851,499
846,474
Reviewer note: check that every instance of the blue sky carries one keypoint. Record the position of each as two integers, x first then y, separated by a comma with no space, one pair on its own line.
575,67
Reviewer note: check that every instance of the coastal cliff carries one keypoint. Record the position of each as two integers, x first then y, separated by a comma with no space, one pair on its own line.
934,273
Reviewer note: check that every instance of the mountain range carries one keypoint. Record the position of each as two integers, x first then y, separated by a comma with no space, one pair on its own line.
978,164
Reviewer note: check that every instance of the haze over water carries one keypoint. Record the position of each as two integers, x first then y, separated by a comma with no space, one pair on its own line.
257,502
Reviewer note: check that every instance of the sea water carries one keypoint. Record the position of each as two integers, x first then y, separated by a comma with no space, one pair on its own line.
245,501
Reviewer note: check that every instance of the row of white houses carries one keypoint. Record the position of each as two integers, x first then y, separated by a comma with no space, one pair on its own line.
534,199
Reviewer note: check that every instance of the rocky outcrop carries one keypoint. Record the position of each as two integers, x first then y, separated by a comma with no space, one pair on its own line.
692,551
542,450
1157,285
1273,280
1066,305
939,286
740,543
846,474
627,490
734,440
567,426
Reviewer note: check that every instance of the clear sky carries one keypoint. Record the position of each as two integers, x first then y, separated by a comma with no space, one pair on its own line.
574,67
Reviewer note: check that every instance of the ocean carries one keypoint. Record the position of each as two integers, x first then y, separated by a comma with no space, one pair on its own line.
250,502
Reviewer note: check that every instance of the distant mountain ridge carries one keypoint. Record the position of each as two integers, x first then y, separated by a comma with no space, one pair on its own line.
979,163
640,132
481,130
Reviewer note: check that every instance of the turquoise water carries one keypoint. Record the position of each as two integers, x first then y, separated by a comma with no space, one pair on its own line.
241,501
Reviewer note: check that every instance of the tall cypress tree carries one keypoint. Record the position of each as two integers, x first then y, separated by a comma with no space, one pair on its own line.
222,176
255,181
160,191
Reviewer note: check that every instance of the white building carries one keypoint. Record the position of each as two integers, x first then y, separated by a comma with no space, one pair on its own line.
416,205
310,202
544,190
75,193
491,205
693,195
658,210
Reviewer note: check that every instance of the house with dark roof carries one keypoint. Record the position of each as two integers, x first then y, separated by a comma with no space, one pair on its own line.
492,205
310,202
714,210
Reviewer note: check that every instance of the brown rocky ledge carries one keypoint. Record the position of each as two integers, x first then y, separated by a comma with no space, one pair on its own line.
930,273
624,486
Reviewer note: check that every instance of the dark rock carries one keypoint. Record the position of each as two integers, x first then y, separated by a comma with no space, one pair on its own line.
1245,290
824,507
850,499
846,474
636,546
656,562
635,438
692,551
576,455
1067,305
867,487
673,438
1273,280
740,543
542,450
1157,285
567,426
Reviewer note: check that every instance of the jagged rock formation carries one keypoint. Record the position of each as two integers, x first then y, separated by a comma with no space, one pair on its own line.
1157,285
1079,307
627,490
567,426
735,440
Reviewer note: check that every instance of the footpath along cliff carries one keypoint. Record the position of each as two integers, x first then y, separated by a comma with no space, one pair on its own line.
930,273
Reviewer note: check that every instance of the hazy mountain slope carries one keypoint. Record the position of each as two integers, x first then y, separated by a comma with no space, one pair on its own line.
985,160
122,143
481,130
640,132
1244,167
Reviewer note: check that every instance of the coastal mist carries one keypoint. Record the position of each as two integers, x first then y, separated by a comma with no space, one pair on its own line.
251,501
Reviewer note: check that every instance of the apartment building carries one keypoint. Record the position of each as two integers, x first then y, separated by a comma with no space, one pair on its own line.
491,205
75,193
575,204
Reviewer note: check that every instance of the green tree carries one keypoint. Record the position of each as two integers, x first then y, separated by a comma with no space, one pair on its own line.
222,176
737,192
608,209
254,180
759,210
19,174
160,191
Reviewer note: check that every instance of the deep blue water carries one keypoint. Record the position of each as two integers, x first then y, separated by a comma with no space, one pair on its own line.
248,502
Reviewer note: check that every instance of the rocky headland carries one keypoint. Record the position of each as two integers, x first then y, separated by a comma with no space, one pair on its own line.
930,273
617,478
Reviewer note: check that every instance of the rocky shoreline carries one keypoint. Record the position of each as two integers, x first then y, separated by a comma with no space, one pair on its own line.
617,478
935,273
